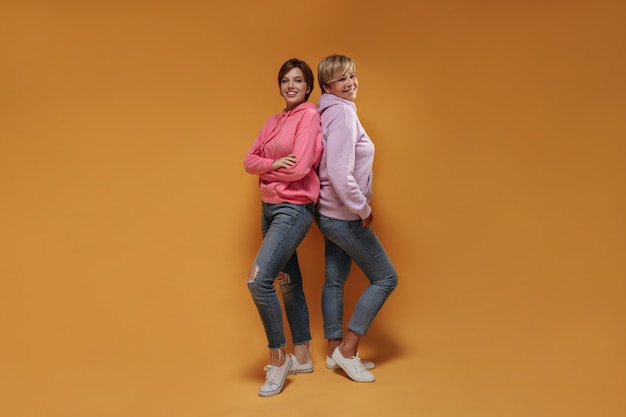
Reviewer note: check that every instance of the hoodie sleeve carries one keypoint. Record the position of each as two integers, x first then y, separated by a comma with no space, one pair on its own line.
307,149
254,163
340,154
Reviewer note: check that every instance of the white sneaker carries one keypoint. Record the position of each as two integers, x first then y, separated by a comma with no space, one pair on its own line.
275,378
331,364
353,367
300,368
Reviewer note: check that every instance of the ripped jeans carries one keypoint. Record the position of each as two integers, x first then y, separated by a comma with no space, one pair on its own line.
284,226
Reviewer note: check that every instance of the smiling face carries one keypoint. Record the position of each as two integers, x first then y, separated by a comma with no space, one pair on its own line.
294,88
345,86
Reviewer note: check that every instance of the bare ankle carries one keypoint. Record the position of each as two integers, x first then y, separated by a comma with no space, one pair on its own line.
277,357
332,345
302,352
350,344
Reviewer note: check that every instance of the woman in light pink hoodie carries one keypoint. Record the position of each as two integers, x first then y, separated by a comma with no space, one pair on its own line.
344,216
285,156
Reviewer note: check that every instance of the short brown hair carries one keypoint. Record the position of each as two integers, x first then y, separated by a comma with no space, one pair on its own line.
306,70
332,67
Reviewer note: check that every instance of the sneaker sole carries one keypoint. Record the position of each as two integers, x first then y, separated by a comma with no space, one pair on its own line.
301,371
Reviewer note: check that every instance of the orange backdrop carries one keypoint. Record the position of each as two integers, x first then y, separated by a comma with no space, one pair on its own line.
128,224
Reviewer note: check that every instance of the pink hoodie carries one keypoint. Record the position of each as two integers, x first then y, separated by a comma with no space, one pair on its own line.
298,132
345,170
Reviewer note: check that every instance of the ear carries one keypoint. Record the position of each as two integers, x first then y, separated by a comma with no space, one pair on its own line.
326,88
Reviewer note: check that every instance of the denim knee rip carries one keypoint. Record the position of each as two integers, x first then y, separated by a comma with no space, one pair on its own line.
253,273
283,278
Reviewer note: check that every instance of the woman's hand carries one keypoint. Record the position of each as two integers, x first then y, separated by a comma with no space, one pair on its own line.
368,221
285,162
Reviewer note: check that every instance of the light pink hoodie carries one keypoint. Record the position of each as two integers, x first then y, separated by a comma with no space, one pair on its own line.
298,132
345,170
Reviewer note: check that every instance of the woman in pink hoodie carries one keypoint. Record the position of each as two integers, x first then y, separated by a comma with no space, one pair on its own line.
285,156
344,217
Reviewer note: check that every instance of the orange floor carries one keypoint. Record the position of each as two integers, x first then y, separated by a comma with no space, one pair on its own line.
433,360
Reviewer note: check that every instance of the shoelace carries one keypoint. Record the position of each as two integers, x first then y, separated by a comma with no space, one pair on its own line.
358,365
270,374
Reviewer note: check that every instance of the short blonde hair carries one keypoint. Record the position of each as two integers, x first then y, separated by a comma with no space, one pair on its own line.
332,67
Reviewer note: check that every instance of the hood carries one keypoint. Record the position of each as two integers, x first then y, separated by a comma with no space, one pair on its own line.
300,108
327,100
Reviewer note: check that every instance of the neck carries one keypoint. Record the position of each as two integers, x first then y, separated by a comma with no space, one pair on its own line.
293,107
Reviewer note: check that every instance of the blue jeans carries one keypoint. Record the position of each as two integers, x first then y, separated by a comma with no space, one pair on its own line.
283,226
345,241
